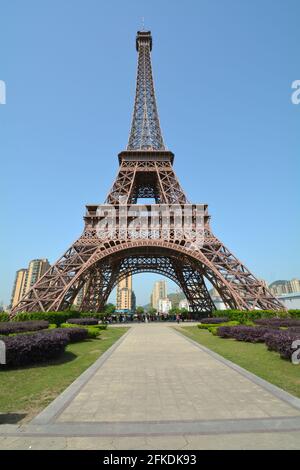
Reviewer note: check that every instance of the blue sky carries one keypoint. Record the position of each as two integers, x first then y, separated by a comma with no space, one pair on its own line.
223,72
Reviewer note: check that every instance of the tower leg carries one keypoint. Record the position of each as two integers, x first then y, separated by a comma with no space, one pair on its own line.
235,283
193,285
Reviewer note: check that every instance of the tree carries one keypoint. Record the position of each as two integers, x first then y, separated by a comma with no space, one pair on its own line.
109,309
140,310
184,312
174,311
152,311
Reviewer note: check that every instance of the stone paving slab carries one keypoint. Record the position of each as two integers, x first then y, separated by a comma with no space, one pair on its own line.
158,375
157,389
258,441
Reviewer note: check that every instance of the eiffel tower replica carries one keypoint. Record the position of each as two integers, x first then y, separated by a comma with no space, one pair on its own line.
100,258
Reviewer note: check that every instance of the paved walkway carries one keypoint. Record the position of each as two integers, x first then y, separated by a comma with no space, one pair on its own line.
157,389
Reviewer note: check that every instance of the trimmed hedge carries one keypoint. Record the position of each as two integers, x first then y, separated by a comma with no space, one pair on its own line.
74,334
209,326
92,331
52,317
83,321
252,334
101,327
214,320
34,348
243,316
281,342
294,313
55,317
4,316
278,322
7,328
294,329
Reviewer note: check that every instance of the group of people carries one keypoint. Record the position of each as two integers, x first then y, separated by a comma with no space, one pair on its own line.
141,318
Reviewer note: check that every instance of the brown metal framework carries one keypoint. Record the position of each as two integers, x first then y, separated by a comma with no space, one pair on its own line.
99,261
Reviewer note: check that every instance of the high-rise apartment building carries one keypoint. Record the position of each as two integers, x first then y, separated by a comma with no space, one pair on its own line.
294,285
279,287
36,269
124,295
19,286
25,278
159,292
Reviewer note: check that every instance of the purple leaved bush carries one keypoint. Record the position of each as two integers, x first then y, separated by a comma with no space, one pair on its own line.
34,348
278,322
250,334
215,320
282,342
10,327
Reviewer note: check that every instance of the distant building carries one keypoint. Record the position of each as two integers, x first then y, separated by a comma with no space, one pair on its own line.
184,304
36,269
124,295
159,292
19,286
279,287
26,278
294,285
164,306
285,287
176,297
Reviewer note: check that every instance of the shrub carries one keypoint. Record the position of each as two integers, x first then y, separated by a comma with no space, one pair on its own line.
83,321
244,316
209,326
294,313
281,341
74,334
7,328
100,327
250,334
33,348
4,316
294,329
92,332
213,320
51,317
278,322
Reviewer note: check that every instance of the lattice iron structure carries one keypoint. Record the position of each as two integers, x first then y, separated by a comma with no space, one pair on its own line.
99,260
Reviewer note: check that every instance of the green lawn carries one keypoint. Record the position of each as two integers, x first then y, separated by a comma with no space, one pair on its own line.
26,391
253,357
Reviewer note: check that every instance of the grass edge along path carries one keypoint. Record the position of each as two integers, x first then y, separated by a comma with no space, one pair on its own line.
253,357
25,391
